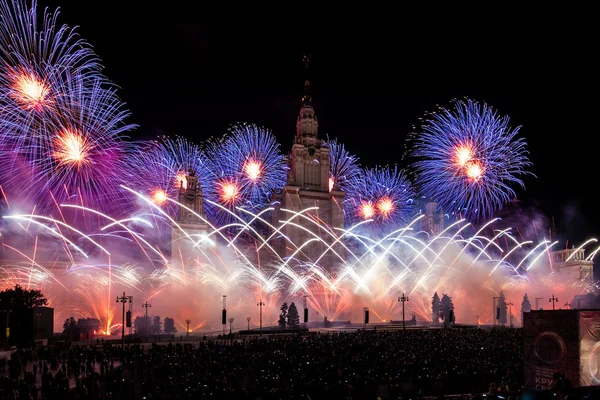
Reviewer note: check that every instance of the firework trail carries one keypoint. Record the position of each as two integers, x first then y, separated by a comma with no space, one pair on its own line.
38,55
367,271
383,195
247,167
343,166
468,158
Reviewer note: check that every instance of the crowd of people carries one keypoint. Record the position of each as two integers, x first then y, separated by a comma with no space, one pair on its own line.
357,365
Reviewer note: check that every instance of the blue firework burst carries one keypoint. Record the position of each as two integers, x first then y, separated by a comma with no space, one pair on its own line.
247,167
86,154
40,61
343,166
468,159
383,195
158,169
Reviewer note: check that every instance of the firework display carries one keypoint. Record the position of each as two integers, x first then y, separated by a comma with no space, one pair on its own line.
459,260
343,166
38,58
159,168
247,167
81,203
61,122
468,160
382,195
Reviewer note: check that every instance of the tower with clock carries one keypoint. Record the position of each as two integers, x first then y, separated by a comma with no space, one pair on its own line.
190,218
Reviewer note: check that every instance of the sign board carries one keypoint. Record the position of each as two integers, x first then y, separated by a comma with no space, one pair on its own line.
561,342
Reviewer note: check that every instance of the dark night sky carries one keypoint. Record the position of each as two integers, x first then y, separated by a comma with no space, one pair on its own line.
194,72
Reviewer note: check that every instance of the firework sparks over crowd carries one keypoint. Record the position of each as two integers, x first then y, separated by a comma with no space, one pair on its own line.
81,204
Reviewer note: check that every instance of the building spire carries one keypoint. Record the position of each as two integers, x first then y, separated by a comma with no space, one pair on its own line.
307,98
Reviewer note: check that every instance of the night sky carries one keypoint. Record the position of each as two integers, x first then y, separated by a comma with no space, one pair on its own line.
195,72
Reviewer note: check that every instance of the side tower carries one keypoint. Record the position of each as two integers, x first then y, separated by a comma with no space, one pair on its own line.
308,186
433,221
189,219
572,265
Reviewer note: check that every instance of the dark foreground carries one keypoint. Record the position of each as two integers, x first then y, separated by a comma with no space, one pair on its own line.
362,365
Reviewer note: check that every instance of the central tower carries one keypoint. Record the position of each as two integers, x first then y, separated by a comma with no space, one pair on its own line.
190,219
308,186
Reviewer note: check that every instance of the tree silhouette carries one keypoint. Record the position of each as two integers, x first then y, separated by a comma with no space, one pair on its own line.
435,308
69,327
156,327
525,306
283,316
21,298
169,326
447,309
139,325
293,319
19,303
501,308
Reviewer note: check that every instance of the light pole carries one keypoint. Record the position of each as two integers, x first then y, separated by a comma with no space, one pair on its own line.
510,304
552,300
224,313
146,305
8,312
123,299
305,311
38,315
260,304
230,322
248,319
317,317
188,321
494,310
403,299
536,302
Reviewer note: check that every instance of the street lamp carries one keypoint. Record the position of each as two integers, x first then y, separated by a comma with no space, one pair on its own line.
230,322
536,302
552,300
123,299
260,304
403,299
8,312
248,319
188,321
38,315
494,310
224,313
146,305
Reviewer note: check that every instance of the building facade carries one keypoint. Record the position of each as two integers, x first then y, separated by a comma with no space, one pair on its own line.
573,266
432,221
